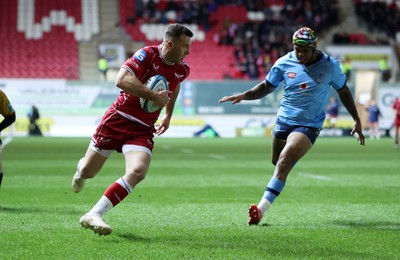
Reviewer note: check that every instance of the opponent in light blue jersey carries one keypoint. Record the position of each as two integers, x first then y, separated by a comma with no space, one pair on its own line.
306,88
307,75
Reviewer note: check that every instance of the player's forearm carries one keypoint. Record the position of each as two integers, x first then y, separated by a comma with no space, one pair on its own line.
169,108
7,121
132,85
347,100
259,91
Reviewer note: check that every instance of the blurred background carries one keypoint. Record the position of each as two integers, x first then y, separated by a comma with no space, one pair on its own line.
62,57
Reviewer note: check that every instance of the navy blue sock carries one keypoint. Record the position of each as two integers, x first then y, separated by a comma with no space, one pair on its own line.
274,188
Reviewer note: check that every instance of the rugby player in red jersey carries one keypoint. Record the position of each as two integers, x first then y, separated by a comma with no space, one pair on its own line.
396,124
127,128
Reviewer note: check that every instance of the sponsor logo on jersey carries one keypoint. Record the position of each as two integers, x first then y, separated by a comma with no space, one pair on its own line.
178,76
140,55
291,75
156,67
134,63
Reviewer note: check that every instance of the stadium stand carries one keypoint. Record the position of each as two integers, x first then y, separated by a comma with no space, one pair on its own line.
380,16
44,36
234,39
208,61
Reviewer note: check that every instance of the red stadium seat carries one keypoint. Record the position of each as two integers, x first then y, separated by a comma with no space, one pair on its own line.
55,49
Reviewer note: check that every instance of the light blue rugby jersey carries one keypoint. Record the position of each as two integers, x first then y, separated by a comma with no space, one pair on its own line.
306,88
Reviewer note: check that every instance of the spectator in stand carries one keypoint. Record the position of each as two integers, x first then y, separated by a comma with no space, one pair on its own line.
33,116
380,16
373,119
151,7
333,112
385,69
103,67
347,67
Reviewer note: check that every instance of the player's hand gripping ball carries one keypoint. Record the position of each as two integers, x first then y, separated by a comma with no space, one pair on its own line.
156,83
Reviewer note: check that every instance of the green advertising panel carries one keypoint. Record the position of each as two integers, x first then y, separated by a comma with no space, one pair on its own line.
202,98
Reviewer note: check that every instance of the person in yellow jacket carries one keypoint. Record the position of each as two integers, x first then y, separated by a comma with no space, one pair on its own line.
347,67
384,68
103,67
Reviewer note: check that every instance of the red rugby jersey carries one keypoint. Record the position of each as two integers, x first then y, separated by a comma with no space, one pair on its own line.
144,64
396,106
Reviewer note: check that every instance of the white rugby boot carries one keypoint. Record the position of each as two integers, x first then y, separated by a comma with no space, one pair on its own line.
95,223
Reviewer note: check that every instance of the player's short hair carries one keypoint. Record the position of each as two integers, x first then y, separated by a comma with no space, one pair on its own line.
175,31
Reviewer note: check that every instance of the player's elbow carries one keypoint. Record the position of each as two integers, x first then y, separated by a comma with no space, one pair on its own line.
119,83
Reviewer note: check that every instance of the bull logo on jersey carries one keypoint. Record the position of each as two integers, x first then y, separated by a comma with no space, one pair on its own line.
303,85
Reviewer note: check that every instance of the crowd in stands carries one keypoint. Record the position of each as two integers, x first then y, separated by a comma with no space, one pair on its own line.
167,11
258,43
378,16
382,16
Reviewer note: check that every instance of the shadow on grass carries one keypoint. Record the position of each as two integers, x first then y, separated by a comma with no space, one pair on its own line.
250,243
133,238
386,225
23,210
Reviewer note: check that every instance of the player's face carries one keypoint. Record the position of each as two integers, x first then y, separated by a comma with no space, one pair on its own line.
304,54
180,49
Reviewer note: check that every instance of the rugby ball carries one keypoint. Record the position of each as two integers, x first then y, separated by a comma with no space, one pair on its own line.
156,83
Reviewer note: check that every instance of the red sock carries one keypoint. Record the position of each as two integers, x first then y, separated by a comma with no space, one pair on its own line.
116,193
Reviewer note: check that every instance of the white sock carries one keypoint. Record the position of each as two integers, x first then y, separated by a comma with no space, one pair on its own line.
263,205
101,207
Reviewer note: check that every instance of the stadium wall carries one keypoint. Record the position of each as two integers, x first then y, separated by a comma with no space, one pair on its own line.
71,108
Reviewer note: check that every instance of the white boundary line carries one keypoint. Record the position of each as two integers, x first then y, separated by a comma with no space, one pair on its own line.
314,176
217,156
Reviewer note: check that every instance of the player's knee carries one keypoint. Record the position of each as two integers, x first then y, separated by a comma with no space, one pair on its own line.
137,175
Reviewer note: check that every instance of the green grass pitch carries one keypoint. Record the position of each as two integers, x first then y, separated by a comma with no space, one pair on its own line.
341,201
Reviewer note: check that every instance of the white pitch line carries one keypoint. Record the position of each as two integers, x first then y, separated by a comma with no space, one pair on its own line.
314,176
217,156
